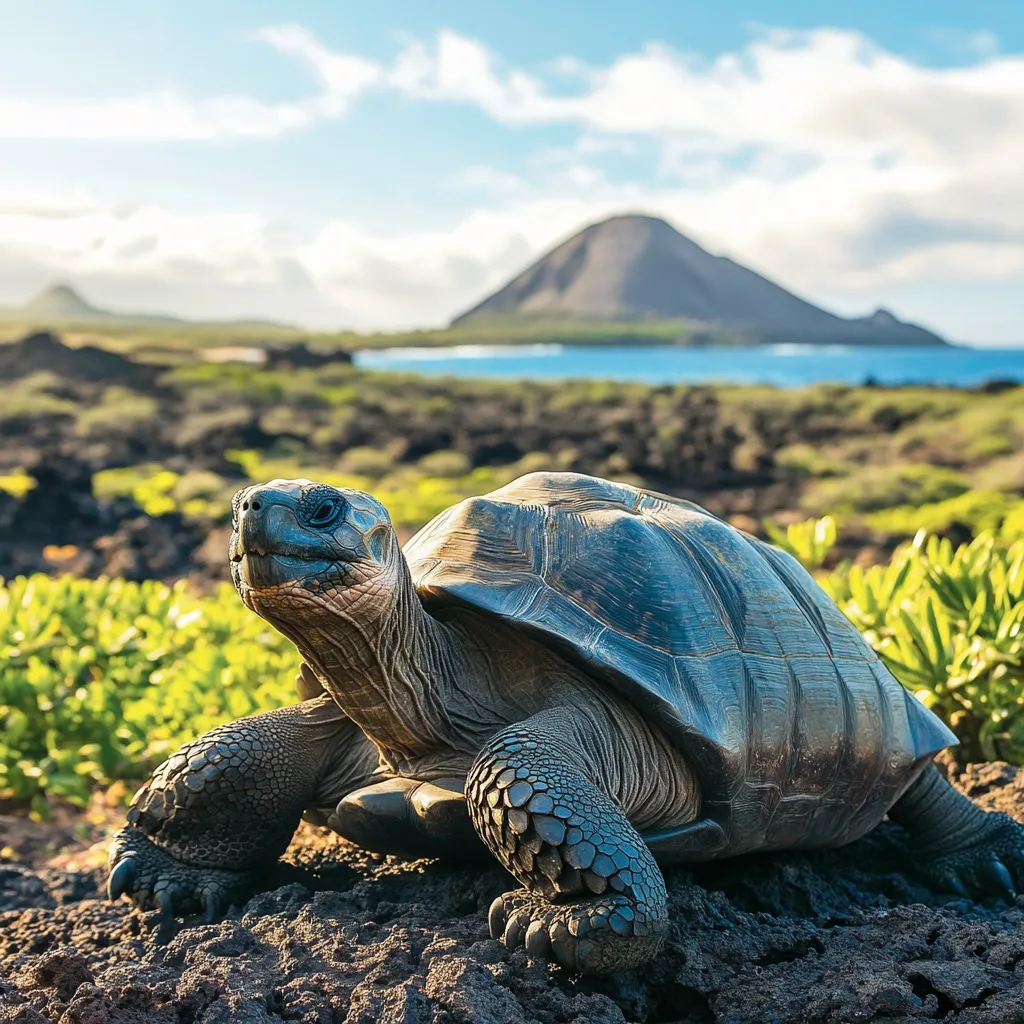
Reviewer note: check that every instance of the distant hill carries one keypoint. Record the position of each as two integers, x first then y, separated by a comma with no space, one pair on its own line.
62,304
61,301
633,267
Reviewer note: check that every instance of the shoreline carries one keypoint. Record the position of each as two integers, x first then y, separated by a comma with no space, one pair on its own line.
784,365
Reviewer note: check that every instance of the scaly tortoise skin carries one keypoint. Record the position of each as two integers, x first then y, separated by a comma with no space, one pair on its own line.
589,677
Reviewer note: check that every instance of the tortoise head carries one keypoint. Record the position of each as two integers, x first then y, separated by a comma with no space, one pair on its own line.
301,549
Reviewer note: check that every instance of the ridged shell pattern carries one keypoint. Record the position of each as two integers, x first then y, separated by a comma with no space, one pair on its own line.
799,734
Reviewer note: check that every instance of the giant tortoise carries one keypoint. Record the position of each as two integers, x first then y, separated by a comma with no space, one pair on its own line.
601,676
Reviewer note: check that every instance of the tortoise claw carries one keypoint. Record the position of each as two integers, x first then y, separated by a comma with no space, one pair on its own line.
564,946
538,943
951,880
211,908
584,937
990,865
122,878
164,901
998,879
515,931
496,918
151,877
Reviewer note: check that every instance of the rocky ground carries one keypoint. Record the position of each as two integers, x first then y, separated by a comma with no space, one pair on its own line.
347,937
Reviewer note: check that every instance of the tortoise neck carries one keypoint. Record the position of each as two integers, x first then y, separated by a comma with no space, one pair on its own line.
392,676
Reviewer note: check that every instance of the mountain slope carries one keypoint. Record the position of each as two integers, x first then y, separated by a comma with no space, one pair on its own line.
636,267
62,302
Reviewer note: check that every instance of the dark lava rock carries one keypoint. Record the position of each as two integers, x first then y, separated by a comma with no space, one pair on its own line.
300,356
104,538
44,351
846,936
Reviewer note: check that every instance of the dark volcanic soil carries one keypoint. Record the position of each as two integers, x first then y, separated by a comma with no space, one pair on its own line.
846,936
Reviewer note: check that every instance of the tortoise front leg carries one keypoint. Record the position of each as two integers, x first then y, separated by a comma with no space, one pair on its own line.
594,898
219,812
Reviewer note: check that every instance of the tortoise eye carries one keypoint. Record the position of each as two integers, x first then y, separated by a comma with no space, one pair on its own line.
326,512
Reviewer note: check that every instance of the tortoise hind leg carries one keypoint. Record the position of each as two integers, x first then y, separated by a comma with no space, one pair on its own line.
963,848
594,898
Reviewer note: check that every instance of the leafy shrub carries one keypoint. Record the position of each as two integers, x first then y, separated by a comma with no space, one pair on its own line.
22,403
101,679
1013,525
365,461
809,542
949,623
199,494
149,486
445,463
807,461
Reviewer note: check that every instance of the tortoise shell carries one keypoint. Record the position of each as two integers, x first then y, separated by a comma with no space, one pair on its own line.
799,735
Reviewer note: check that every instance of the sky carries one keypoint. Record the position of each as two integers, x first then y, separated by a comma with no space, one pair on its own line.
383,166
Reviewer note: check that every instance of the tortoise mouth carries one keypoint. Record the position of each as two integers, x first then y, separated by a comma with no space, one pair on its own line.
265,570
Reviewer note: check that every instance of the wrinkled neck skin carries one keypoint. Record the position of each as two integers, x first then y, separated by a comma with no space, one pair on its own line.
389,665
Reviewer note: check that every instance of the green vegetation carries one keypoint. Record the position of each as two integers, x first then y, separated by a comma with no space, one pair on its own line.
976,510
16,484
120,409
949,623
811,541
101,679
158,491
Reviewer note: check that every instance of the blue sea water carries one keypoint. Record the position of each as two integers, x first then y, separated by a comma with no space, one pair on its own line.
780,365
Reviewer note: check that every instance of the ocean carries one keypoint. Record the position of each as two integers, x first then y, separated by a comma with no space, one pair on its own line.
787,366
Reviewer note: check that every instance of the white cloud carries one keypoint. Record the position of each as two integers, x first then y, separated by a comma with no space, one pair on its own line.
148,259
819,158
461,70
342,76
169,116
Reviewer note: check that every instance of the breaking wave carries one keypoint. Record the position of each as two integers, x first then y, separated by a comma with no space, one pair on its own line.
368,356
